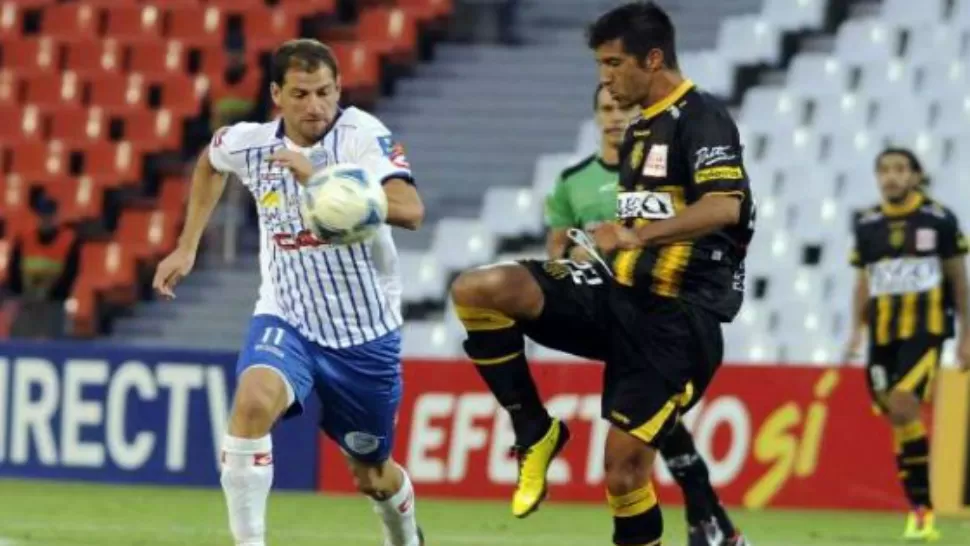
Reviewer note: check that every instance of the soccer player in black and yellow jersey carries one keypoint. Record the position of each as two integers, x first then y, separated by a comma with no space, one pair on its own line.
650,304
909,254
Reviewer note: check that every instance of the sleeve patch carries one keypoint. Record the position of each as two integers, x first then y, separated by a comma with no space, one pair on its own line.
394,152
219,137
718,173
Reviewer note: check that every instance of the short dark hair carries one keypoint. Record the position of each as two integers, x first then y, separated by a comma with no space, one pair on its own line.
302,54
915,164
641,27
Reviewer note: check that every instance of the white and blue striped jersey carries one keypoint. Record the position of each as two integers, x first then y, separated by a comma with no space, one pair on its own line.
336,295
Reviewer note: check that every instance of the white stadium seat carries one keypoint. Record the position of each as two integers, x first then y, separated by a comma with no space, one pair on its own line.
512,212
908,14
861,41
934,44
818,75
795,14
459,244
428,339
749,39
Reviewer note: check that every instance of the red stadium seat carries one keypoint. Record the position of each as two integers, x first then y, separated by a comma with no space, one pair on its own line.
265,29
173,195
6,254
81,309
157,57
237,6
112,163
77,198
21,123
148,234
198,26
68,20
117,91
38,162
153,130
391,32
94,55
428,9
14,201
11,19
183,94
54,89
359,67
30,54
10,87
303,8
134,21
108,269
79,126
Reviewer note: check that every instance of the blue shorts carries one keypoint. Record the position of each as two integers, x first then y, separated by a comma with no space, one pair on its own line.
359,387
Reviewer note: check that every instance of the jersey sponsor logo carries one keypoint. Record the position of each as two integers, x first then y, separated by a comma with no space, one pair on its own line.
925,239
302,239
656,164
718,173
904,276
361,443
709,156
644,204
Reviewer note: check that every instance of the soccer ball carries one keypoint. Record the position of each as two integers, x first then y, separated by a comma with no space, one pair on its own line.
342,204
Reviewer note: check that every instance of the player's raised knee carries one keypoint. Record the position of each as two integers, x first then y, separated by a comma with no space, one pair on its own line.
507,289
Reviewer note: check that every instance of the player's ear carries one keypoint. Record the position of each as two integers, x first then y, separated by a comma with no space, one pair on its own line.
275,92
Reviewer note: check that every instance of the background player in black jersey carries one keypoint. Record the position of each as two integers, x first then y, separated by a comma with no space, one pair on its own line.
909,254
651,303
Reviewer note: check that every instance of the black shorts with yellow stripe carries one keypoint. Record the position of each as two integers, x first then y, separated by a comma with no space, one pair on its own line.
904,364
660,353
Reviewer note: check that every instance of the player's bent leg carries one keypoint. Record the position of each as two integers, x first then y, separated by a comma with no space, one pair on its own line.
636,513
490,302
390,491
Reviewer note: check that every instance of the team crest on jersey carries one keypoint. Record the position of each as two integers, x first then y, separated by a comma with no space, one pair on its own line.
656,164
925,239
556,269
636,155
897,234
270,200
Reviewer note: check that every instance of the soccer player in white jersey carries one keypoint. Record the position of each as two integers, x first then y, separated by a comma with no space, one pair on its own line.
328,314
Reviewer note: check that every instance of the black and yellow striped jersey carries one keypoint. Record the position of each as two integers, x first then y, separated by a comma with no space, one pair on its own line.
679,150
902,249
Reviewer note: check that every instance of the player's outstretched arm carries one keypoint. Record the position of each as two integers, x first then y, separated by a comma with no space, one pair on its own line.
404,206
206,190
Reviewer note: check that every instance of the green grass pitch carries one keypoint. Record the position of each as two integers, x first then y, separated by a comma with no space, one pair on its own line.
74,514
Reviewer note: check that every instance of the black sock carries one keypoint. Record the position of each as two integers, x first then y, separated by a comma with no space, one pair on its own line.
497,347
637,519
913,461
690,471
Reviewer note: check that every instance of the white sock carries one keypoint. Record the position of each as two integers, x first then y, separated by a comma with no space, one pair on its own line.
397,513
247,476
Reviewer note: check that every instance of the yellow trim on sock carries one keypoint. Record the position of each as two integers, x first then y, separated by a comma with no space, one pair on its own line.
908,433
498,360
633,503
476,319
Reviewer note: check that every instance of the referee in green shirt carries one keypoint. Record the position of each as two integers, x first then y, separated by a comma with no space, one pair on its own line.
585,196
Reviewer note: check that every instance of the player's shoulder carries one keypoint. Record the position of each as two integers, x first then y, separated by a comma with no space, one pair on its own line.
867,216
576,167
698,105
245,134
936,210
359,121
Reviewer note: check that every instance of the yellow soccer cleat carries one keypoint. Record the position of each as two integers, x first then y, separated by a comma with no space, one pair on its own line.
534,461
921,526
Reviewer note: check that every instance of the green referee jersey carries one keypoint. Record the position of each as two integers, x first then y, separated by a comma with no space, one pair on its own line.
584,196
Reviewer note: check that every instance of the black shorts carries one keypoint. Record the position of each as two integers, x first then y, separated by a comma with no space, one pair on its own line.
908,365
660,353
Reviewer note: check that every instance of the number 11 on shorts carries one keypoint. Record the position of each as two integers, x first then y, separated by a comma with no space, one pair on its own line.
273,336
